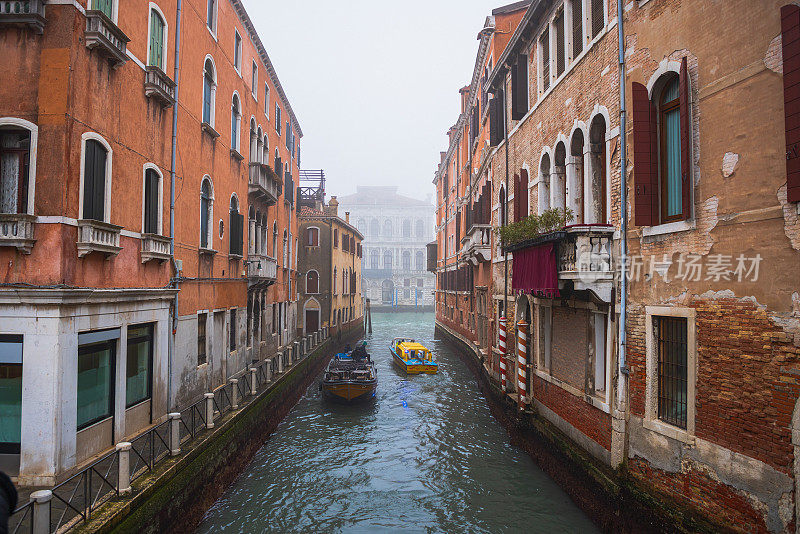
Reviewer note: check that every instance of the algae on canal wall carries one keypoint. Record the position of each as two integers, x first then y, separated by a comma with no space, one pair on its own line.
615,501
176,496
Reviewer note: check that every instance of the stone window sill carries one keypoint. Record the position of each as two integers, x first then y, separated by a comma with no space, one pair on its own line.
668,228
669,431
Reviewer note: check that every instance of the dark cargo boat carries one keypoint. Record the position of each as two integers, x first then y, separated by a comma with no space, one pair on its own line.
350,377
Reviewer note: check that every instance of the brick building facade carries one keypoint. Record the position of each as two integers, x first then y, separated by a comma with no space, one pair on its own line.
700,408
116,308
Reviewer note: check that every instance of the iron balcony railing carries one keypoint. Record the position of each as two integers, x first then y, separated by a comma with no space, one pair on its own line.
74,501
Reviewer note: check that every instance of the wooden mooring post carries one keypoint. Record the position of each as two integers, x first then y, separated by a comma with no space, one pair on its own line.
368,318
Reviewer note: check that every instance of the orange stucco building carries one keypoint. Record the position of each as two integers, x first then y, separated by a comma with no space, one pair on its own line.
148,219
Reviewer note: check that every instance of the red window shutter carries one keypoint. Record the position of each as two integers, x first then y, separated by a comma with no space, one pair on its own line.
790,36
523,191
515,204
686,140
644,135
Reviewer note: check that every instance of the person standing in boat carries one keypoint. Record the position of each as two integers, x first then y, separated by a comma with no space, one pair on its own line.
360,352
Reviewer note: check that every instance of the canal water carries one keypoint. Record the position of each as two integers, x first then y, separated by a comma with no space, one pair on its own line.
425,456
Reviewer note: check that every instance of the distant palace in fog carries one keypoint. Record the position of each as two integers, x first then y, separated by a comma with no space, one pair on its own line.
396,229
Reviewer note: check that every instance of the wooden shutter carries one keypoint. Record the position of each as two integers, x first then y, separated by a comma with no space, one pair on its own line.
519,88
686,140
644,157
790,35
156,40
523,194
94,181
151,202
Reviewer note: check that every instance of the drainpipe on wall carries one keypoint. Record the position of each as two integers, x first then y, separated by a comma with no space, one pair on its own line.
618,421
174,318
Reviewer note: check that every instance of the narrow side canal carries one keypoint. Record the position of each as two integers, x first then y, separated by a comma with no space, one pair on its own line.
426,456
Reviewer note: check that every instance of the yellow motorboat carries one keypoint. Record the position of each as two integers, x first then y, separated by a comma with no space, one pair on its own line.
412,357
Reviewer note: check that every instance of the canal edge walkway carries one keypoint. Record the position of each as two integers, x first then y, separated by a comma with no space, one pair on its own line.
176,494
614,500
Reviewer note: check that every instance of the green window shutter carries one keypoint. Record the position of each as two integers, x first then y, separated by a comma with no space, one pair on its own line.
106,6
156,40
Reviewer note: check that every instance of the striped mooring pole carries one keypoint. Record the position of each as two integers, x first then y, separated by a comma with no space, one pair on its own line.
502,337
522,353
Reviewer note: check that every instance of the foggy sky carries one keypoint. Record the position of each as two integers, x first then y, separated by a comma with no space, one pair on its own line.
374,84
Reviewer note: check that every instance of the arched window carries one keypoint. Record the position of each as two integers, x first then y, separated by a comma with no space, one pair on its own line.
374,259
254,142
543,189
265,153
236,228
275,240
558,191
211,16
96,178
420,228
312,282
669,115
252,230
236,121
157,44
575,176
406,260
18,139
407,228
285,263
206,212
151,200
420,261
597,169
387,228
501,199
264,230
387,259
374,228
312,237
209,91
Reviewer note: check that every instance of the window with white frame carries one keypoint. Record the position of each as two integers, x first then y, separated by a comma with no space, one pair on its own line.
206,212
236,121
211,16
254,80
277,119
209,91
95,177
157,43
108,7
266,100
544,60
18,140
671,361
151,200
237,51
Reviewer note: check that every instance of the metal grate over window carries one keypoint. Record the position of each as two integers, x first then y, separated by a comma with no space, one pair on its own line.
544,42
560,56
670,333
598,17
577,28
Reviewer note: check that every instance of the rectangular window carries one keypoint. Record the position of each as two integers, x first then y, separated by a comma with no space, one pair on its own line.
233,328
577,27
14,163
266,100
237,51
151,213
544,68
254,80
545,336
139,367
211,15
202,357
106,6
600,353
94,181
95,392
277,119
598,17
560,59
670,334
156,57
10,393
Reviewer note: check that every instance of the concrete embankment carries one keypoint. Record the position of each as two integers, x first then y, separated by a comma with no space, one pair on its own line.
615,501
175,496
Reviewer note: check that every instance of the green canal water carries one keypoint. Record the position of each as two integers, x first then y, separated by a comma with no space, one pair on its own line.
425,456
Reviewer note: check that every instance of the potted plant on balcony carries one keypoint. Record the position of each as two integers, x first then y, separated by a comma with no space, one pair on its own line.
535,227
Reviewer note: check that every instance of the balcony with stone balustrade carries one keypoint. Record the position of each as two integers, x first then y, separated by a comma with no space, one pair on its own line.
155,247
263,183
159,86
98,236
16,230
106,37
23,13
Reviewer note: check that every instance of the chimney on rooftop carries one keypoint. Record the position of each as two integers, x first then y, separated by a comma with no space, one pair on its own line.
333,207
347,216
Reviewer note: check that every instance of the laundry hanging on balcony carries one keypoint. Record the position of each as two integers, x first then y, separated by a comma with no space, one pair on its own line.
534,271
